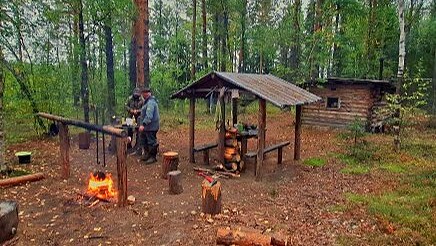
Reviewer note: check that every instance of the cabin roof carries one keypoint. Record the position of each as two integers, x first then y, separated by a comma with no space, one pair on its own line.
273,89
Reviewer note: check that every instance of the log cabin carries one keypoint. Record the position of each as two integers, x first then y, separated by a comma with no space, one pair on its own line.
345,99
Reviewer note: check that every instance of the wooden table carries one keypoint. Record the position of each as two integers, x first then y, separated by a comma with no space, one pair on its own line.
243,137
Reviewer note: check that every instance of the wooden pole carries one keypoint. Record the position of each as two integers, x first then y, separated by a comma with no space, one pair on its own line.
222,132
105,129
21,179
261,138
122,171
235,111
64,142
191,128
297,144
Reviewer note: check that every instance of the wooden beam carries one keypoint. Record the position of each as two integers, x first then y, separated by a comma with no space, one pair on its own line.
191,128
64,147
222,131
235,111
122,171
297,144
105,129
261,138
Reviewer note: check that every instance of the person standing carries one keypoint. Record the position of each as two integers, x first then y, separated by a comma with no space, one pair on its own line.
133,106
149,126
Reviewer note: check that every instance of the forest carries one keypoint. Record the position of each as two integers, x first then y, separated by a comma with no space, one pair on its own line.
81,59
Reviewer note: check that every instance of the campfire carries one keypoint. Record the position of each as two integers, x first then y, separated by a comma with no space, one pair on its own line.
101,185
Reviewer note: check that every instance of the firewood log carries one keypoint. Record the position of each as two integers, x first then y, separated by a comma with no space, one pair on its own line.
175,182
211,197
8,220
170,162
246,238
21,179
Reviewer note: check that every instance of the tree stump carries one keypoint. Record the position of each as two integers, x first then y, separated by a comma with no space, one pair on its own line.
84,140
175,182
211,198
170,162
8,220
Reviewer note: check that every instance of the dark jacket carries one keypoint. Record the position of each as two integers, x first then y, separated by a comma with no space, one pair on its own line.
133,103
150,115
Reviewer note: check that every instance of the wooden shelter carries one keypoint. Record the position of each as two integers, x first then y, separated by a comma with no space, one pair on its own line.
345,99
265,87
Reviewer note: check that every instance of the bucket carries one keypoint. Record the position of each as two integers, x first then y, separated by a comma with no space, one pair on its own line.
84,140
23,156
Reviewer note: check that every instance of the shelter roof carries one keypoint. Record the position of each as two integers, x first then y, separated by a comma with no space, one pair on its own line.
273,89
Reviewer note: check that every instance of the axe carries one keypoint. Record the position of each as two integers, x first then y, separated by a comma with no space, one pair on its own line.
209,179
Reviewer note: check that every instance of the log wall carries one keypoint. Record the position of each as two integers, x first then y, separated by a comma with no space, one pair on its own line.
355,101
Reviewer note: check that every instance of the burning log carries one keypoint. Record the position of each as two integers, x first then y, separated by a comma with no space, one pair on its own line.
211,197
246,238
8,220
21,179
175,182
170,162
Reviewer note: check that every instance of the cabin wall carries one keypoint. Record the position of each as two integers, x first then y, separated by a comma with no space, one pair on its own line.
355,101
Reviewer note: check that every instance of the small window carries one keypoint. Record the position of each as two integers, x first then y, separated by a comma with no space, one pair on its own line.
332,102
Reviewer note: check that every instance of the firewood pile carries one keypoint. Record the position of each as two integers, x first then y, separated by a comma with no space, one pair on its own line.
232,153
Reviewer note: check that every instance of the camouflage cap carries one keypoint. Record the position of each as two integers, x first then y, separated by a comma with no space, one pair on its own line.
137,91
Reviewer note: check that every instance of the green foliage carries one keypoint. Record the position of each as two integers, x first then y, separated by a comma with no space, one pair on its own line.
315,162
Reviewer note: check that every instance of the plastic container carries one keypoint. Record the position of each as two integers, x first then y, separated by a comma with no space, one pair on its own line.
23,156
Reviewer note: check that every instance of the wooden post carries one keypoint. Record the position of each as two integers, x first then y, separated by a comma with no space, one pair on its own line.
211,198
191,128
235,111
222,132
297,133
122,171
261,138
170,162
64,142
175,182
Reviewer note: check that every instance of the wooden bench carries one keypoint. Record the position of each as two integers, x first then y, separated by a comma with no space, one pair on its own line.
278,147
205,148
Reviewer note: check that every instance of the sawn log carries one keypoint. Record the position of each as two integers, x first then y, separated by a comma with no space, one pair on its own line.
246,238
21,179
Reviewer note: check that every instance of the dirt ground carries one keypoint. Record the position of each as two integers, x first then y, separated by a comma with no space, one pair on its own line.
293,201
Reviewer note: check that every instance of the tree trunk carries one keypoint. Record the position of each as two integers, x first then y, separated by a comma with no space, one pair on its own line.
433,106
400,74
110,67
242,42
194,27
133,48
295,46
216,38
84,90
75,61
2,139
204,39
147,47
139,27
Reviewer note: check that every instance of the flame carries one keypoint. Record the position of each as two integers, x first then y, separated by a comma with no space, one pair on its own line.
101,185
